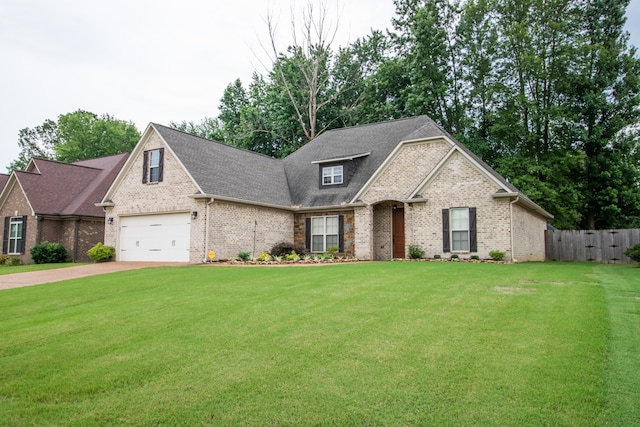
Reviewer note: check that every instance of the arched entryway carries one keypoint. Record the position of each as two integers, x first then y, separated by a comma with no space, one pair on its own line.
389,230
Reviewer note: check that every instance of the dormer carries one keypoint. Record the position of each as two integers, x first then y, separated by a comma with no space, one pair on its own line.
336,172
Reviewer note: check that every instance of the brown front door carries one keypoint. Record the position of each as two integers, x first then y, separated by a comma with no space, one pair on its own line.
398,233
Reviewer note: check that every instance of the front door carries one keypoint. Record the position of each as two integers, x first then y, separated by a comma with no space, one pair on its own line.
398,233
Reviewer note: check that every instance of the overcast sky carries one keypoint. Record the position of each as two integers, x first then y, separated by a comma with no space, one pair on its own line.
148,60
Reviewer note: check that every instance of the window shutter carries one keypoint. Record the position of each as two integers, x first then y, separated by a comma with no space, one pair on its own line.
24,235
145,165
473,239
160,164
446,245
5,235
307,234
341,232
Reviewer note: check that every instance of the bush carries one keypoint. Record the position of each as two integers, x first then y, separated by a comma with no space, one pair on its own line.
437,256
282,249
415,251
633,252
244,256
48,253
455,256
264,256
3,259
13,261
333,250
293,256
101,252
497,255
475,257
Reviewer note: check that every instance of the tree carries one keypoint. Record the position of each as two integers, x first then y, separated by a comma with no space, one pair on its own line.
75,136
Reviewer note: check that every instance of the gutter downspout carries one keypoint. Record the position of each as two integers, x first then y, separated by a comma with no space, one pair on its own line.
513,250
206,233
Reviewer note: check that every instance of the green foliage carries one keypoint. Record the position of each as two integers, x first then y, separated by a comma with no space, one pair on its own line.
48,253
264,256
101,252
282,249
244,256
497,255
437,256
13,261
475,257
3,259
415,251
293,256
633,252
455,256
333,250
75,136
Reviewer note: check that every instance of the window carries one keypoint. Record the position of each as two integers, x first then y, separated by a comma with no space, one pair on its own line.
14,235
152,166
460,229
324,233
459,232
332,175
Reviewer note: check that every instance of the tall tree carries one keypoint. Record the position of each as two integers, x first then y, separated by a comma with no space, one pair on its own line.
75,136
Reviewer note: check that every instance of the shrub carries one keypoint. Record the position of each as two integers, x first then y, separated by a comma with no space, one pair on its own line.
4,259
293,256
13,261
48,253
282,249
333,250
101,252
437,256
415,251
264,256
475,257
244,256
455,256
497,255
633,252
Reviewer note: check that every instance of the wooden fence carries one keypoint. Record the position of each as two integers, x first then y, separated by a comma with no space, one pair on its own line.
605,246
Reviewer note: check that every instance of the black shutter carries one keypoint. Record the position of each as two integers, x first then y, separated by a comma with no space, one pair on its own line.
24,235
160,164
144,166
473,238
341,233
5,235
307,234
446,245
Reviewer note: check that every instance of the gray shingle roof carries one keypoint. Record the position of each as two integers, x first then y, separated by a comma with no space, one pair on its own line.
223,170
378,139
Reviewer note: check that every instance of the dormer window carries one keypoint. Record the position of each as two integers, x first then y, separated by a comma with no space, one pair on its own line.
332,175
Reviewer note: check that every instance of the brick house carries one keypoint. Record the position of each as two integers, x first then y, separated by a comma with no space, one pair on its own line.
371,190
56,202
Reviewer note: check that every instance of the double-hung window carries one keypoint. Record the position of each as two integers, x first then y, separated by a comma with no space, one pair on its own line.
152,166
460,229
14,235
324,233
332,175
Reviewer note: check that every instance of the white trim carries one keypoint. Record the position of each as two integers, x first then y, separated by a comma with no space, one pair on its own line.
333,175
8,188
324,233
341,159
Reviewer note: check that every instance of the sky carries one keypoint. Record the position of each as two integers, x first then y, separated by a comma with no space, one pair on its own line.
150,60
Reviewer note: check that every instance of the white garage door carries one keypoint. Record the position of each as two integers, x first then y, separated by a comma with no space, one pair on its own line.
155,237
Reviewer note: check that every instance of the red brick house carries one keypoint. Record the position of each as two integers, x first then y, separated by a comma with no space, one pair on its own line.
55,202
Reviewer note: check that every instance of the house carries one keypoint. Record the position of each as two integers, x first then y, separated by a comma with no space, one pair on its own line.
370,190
56,202
4,178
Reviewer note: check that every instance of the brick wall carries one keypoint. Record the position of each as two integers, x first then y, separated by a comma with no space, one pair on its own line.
529,228
363,233
232,225
349,229
16,205
382,231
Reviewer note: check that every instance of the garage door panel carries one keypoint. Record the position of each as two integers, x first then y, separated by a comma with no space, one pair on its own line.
155,238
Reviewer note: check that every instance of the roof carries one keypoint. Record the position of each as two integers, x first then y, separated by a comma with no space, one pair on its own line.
3,181
69,189
227,171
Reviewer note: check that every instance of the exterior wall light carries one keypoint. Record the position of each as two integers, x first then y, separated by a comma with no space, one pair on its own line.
194,215
110,220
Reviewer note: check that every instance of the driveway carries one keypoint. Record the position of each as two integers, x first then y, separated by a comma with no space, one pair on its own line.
17,280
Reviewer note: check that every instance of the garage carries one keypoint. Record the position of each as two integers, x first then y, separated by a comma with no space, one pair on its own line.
164,237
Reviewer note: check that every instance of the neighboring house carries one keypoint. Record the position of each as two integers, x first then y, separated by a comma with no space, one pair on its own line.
3,181
371,190
56,202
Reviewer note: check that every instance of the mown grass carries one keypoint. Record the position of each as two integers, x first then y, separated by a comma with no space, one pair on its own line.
366,344
23,268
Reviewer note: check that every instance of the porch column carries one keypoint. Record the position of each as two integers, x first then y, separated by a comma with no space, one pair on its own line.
363,223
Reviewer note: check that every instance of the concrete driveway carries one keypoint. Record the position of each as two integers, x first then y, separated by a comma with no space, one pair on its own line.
17,280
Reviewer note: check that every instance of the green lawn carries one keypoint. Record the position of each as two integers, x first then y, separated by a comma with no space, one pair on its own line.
10,269
401,343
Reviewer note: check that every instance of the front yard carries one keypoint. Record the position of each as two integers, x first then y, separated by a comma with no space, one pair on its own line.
347,344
